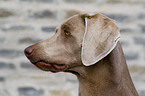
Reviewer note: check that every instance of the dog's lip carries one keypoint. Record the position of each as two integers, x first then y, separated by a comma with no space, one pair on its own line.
59,66
49,66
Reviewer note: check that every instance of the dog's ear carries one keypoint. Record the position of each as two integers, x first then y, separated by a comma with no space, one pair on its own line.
100,38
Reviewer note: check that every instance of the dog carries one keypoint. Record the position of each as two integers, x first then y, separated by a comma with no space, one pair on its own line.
87,46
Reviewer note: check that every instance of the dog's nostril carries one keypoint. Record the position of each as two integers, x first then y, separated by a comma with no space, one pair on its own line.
28,51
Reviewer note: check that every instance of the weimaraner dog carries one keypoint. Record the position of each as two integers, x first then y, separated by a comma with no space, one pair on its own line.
87,46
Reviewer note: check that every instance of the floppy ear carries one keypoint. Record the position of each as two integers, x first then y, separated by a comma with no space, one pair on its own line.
100,38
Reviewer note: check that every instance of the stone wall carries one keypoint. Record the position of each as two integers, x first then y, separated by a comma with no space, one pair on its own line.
25,22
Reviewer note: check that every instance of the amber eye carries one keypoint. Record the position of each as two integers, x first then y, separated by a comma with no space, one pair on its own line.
67,32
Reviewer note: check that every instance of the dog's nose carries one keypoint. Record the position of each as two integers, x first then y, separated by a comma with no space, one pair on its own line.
28,51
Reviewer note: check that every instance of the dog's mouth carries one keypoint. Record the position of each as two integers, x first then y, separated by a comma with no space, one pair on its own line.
50,66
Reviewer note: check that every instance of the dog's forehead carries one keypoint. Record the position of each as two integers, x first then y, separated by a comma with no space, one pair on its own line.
74,20
71,21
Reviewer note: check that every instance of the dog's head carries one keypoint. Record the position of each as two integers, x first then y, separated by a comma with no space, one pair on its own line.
82,40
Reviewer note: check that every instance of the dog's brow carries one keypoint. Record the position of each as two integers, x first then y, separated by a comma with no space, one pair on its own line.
65,26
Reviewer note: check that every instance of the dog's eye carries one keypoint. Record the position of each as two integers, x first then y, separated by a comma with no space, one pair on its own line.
67,32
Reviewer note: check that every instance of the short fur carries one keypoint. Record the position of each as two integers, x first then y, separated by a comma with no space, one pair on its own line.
108,76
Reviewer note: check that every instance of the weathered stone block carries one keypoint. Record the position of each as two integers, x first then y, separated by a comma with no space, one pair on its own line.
2,79
28,40
2,40
124,43
80,1
10,53
60,93
5,13
134,68
4,65
48,29
119,17
4,92
142,92
17,27
131,56
126,30
139,40
117,1
44,14
50,1
27,65
142,28
30,91
4,0
71,80
70,13
141,16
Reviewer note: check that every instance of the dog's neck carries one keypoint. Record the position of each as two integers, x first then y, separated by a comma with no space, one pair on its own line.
109,77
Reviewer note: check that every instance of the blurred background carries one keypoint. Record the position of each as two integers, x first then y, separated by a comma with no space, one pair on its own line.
25,22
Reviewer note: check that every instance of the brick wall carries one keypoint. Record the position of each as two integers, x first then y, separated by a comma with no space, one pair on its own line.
24,22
